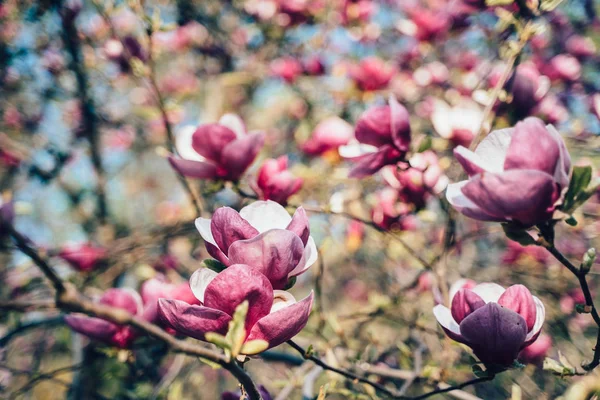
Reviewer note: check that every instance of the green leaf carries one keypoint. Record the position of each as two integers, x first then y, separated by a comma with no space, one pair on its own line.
577,193
425,144
215,265
237,331
255,346
518,234
571,221
218,340
290,283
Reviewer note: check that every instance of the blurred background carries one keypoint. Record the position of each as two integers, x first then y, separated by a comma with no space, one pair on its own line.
93,95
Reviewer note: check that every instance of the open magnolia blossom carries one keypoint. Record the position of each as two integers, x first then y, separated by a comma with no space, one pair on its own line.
496,323
105,331
516,174
382,138
216,151
264,236
273,315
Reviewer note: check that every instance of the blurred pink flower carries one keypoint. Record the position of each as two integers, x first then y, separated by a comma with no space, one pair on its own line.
275,182
84,256
372,73
287,68
329,134
537,351
460,123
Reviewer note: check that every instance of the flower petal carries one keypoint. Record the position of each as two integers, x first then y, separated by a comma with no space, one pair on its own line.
227,227
368,164
519,299
282,325
400,124
193,169
495,334
233,122
540,316
266,215
309,257
274,253
200,280
124,298
238,283
183,144
444,318
210,140
203,226
493,148
239,154
464,303
299,225
192,320
94,328
489,292
465,206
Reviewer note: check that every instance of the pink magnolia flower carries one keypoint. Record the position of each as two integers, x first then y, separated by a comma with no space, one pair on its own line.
516,174
329,134
514,252
458,124
390,213
157,288
496,323
264,236
275,182
528,88
83,257
580,46
416,181
287,68
273,315
105,331
383,136
314,66
564,67
216,151
537,351
372,74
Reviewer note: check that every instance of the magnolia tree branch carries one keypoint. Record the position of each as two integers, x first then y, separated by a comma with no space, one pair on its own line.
392,394
69,299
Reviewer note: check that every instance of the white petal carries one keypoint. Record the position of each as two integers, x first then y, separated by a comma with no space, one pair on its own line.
489,292
456,197
266,215
540,316
442,114
309,257
200,280
356,149
281,299
183,144
486,164
138,299
444,317
388,174
492,150
235,123
203,226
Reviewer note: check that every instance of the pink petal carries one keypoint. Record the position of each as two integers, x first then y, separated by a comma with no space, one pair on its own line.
284,324
126,299
532,147
94,328
192,320
370,163
274,253
464,303
239,154
299,225
519,299
234,285
227,227
400,124
209,140
444,318
193,169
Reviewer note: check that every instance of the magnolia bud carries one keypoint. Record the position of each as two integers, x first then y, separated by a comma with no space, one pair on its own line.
588,260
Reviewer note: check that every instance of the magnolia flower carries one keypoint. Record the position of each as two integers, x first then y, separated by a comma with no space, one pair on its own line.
458,124
390,213
565,67
275,182
264,236
216,151
516,174
287,68
372,73
83,257
580,46
496,323
273,315
105,331
329,134
537,351
383,138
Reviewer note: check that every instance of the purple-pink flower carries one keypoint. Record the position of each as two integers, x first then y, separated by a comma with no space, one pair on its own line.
372,73
496,323
516,174
329,134
383,138
273,315
216,151
83,257
264,236
275,182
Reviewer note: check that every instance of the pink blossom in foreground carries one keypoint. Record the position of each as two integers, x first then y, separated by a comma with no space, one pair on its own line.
273,315
105,331
516,174
382,138
264,236
157,288
275,182
83,257
496,323
216,151
329,134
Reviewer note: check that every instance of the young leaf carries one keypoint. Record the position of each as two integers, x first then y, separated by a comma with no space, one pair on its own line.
579,188
237,331
215,265
255,346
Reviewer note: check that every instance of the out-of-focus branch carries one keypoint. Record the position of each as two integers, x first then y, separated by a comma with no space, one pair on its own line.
68,298
89,117
48,322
